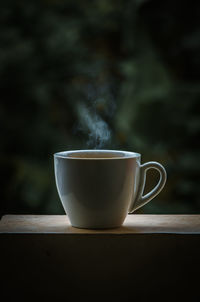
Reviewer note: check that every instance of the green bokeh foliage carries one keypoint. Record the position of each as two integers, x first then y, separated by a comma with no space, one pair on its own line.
133,64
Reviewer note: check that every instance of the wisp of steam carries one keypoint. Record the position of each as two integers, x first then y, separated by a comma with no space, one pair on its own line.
97,129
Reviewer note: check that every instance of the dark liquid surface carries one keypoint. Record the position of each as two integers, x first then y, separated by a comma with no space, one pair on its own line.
96,154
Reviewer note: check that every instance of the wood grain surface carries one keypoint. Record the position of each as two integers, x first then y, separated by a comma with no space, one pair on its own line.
136,223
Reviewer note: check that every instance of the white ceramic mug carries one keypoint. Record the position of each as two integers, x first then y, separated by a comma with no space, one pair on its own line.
98,188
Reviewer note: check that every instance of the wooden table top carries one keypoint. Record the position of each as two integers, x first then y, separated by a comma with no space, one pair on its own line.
134,224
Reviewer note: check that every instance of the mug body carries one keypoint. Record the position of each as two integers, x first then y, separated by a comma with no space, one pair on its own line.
97,187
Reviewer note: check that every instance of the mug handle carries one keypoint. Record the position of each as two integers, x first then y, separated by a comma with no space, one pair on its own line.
140,199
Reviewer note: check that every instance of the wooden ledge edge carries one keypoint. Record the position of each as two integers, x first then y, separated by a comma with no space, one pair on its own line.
134,224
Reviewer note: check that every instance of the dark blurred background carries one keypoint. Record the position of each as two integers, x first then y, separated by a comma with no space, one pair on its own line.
109,74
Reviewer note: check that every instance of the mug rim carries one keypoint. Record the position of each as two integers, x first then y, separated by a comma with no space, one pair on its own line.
127,154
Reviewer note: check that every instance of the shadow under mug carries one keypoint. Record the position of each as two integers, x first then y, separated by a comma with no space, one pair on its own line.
98,188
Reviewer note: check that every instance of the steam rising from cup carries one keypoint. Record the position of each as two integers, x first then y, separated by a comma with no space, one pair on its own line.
97,129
